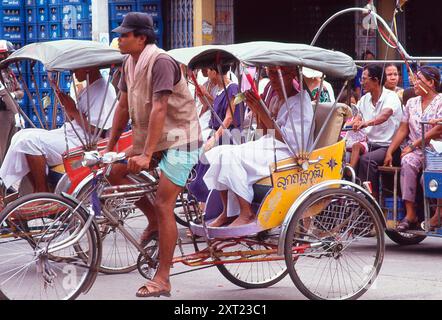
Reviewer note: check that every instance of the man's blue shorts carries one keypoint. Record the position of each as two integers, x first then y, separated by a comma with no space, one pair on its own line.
177,164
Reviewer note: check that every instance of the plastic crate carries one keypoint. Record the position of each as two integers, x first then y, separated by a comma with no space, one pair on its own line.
31,15
44,83
65,81
17,44
73,1
31,33
34,3
153,8
158,26
55,2
117,11
43,31
12,3
55,13
83,30
42,14
55,31
14,32
67,33
74,12
12,15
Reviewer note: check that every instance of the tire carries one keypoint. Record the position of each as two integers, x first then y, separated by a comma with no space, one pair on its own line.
337,228
253,275
119,254
34,224
404,239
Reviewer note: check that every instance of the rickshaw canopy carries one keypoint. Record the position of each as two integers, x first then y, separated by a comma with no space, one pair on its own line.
67,55
266,53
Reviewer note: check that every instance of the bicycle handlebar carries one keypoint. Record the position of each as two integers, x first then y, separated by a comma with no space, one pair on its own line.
92,158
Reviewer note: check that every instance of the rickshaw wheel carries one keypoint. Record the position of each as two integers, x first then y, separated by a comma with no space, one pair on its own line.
119,255
254,274
334,246
28,271
404,239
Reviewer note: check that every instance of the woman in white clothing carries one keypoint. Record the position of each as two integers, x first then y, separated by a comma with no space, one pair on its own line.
32,150
235,168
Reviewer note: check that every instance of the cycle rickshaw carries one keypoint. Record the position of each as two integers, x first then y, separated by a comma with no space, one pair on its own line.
327,233
429,205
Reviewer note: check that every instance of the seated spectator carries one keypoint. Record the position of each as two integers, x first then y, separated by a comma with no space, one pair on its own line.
312,79
33,150
235,168
392,79
223,105
426,106
379,116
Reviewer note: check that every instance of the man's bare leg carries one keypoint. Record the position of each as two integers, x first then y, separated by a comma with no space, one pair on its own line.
246,214
37,167
165,201
118,176
222,219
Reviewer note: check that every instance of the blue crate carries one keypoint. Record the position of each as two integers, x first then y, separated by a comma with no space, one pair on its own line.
117,11
31,15
55,13
74,12
12,3
34,3
49,115
42,14
31,33
55,31
44,83
17,44
153,8
83,30
158,26
12,15
67,33
13,32
55,2
72,1
65,81
43,31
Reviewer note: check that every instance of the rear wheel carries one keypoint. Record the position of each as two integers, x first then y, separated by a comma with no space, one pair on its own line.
334,245
404,239
39,256
254,274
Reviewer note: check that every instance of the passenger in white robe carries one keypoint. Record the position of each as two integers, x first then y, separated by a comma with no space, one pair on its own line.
235,168
32,150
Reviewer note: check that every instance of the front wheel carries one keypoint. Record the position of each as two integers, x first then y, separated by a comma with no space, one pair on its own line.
334,245
40,260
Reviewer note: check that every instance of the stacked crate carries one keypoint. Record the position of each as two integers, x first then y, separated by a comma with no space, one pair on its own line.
119,9
12,28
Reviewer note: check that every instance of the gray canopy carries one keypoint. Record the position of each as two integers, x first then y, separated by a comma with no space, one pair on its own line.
265,53
66,55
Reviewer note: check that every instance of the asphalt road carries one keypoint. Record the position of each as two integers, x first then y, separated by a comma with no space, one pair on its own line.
411,272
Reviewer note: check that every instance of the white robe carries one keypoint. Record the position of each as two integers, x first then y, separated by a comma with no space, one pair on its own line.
237,168
52,144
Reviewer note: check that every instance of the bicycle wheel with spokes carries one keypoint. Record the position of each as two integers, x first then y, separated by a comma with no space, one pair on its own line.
119,255
258,268
38,255
334,245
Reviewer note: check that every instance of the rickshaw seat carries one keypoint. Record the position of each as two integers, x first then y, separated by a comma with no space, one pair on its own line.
333,128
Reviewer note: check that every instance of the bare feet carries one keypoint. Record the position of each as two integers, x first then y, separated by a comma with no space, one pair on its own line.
221,220
243,219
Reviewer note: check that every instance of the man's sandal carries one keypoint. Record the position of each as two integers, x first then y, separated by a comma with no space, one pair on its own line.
158,290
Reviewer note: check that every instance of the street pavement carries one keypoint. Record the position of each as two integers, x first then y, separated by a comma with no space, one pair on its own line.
408,272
